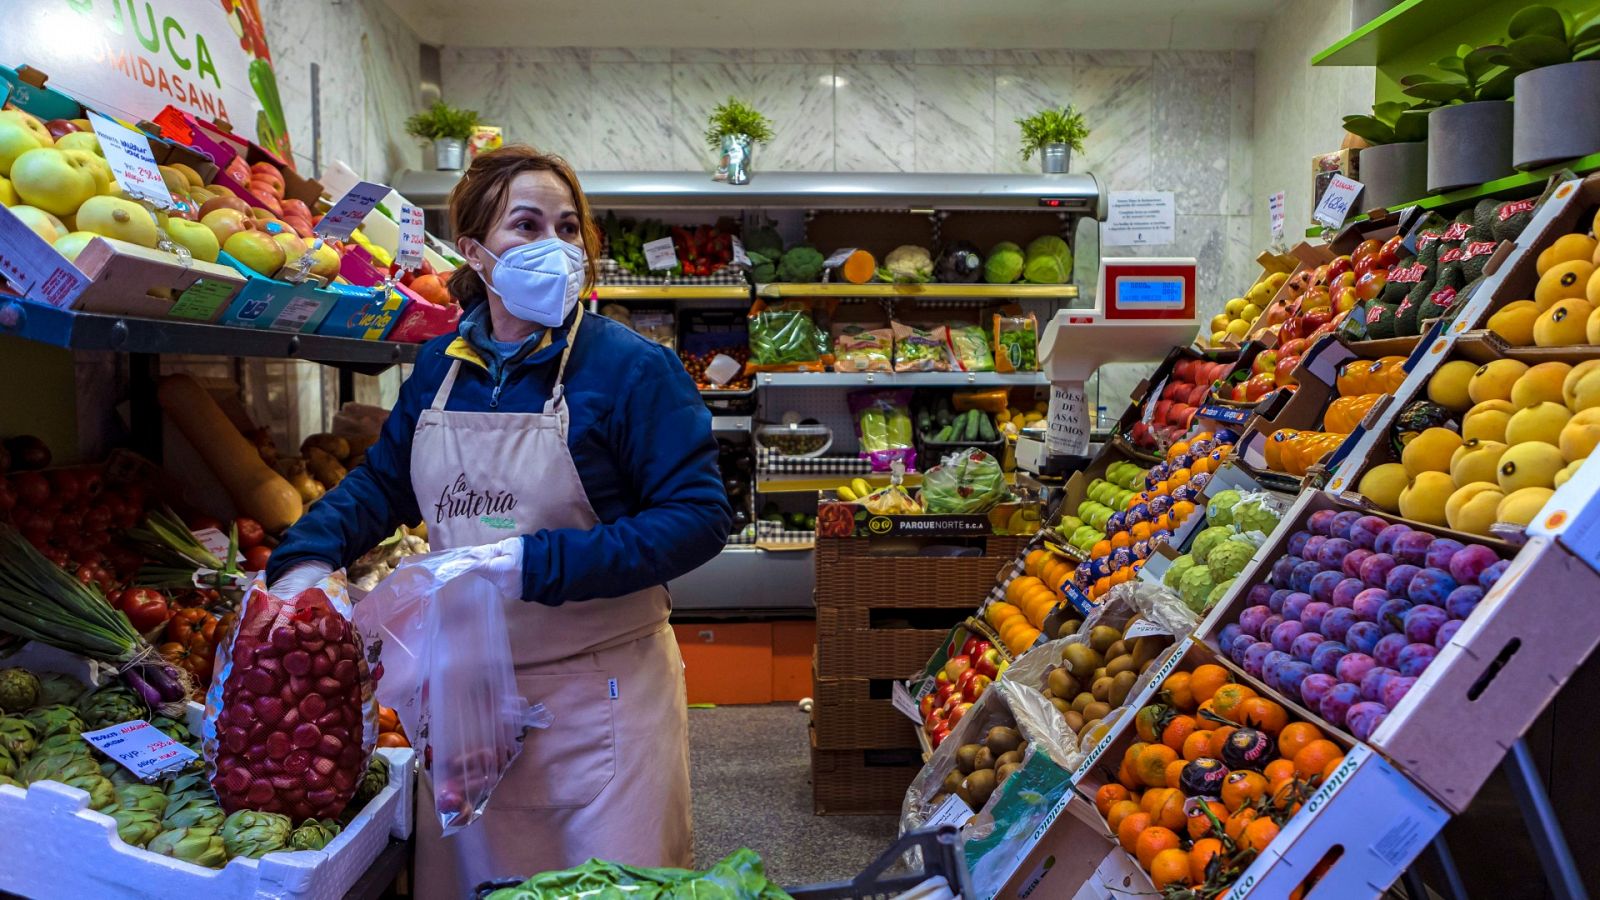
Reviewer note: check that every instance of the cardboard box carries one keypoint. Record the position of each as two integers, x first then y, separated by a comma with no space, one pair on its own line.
1572,517
421,320
1073,851
279,305
29,94
218,143
1151,391
359,312
1308,257
126,279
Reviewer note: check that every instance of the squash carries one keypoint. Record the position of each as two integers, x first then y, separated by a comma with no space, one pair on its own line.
257,491
859,267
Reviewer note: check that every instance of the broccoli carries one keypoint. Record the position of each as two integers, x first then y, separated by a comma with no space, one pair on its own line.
762,269
800,264
763,239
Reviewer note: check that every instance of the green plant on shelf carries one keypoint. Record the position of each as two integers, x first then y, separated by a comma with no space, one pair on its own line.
441,121
1539,36
1471,75
1053,126
1393,122
736,117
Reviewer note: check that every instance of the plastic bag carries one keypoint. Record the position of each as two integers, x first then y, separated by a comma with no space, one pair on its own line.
969,347
1016,343
965,483
921,349
858,349
883,427
441,631
786,338
295,665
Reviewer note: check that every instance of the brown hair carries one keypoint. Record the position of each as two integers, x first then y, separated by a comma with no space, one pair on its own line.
478,197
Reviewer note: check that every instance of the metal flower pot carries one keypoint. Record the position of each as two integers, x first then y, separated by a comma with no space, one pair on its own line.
1054,159
1392,174
1557,115
449,153
734,167
1469,143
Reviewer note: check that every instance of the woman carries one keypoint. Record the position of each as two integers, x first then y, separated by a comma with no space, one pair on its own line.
583,453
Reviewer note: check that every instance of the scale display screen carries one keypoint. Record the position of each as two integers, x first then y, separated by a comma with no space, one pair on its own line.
1150,292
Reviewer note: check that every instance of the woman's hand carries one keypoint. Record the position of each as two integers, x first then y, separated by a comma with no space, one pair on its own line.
298,578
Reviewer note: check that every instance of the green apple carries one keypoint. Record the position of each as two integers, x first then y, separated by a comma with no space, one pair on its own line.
257,251
72,243
52,180
201,241
120,219
8,194
81,140
19,133
104,181
42,223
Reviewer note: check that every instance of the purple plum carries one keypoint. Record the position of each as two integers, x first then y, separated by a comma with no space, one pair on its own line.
1396,690
1323,583
1291,675
1331,555
1297,543
1399,577
1392,615
1446,632
1439,553
1430,586
1368,603
1489,576
1255,657
1258,594
1363,637
1470,561
1387,650
1422,623
1275,602
1336,623
1313,547
1365,530
1314,688
1414,659
1412,549
1351,566
1342,523
1251,618
1384,542
1354,666
1321,521
1375,569
1337,702
1364,718
1294,604
1463,600
1283,636
1272,668
1305,645
1269,625
1281,569
1325,658
1304,571
1311,617
1240,644
1372,683
1344,593
1227,634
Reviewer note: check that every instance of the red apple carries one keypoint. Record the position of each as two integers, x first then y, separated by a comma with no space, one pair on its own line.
1197,395
1188,419
987,664
1366,249
957,713
1345,298
1293,348
957,666
1265,361
1339,266
1176,413
943,694
939,734
238,170
941,678
1370,285
964,680
1162,408
1316,318
59,127
1365,264
1173,390
1284,373
976,687
1389,255
927,706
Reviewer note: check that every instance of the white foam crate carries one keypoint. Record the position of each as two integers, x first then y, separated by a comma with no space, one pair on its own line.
60,848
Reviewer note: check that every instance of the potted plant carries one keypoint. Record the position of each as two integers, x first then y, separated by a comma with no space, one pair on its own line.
1469,134
1394,164
449,128
1556,59
733,129
1053,134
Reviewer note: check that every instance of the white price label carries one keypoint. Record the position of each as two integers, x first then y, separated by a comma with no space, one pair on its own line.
1337,201
140,748
351,210
215,542
660,255
740,258
1067,427
838,258
128,152
409,254
1275,208
953,811
1140,219
33,267
296,314
1145,628
903,701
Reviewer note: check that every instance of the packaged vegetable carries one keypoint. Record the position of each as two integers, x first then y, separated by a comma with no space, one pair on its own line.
786,338
990,401
883,427
920,349
860,349
969,347
1016,343
738,877
966,483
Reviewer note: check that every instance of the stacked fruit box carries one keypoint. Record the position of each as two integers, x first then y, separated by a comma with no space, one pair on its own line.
884,606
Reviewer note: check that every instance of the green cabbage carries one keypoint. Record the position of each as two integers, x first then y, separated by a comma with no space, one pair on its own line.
1004,264
1045,270
1050,245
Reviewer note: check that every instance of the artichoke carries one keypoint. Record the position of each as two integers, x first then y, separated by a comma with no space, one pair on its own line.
172,728
199,845
59,765
136,826
56,743
120,776
111,705
313,834
19,689
19,736
54,719
374,780
191,811
55,689
102,794
142,797
255,834
8,763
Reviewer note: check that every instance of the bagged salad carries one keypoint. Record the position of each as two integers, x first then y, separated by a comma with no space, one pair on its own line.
921,349
883,427
786,338
969,347
1016,343
965,483
857,348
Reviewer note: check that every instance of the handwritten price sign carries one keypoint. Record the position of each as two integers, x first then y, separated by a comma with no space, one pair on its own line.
135,168
351,210
1337,201
140,748
409,254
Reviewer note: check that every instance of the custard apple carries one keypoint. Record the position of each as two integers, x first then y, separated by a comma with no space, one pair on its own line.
1255,515
1228,559
1207,540
1219,509
1195,586
1175,571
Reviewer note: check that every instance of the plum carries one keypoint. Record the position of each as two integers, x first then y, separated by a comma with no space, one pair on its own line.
1372,683
1344,593
1304,571
1323,583
1399,578
1258,594
1269,625
1446,632
1321,521
1396,690
1272,668
1305,645
1251,618
1412,548
1325,658
1414,658
1489,576
1368,603
1291,675
1363,637
1241,644
1440,551
1314,687
1351,565
1365,530
1313,547
1255,657
1311,616
1336,623
1392,615
1331,554
1275,602
1337,702
1387,650
1294,604
1430,586
1284,634
1422,623
1342,523
1297,543
1227,634
1469,562
1281,569
1384,542
1463,600
1375,569
1364,718
1352,667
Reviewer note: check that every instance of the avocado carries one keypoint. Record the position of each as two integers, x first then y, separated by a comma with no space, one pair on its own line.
1512,217
1399,283
1483,219
1381,321
1408,317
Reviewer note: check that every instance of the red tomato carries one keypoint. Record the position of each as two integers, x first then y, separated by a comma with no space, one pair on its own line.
8,498
145,608
255,559
250,532
32,488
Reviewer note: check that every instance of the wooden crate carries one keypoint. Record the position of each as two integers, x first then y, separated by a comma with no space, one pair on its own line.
856,572
888,653
856,713
861,782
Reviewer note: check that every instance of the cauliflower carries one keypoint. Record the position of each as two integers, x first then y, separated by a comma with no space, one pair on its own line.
1208,539
1004,264
1219,509
1195,586
1255,515
907,264
1175,571
1229,558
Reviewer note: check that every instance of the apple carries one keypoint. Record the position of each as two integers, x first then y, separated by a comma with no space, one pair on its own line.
81,140
268,200
988,663
8,194
1284,373
52,180
1365,264
935,719
1197,395
40,222
293,207
1345,299
1316,318
104,181
969,647
255,250
223,201
1265,361
975,688
1370,285
940,677
944,692
124,220
19,133
957,713
939,734
926,706
72,243
59,127
238,170
325,262
293,247
1389,255
225,222
199,239
1316,298
956,666
1159,415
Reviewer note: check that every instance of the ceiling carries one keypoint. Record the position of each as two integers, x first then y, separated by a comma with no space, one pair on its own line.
842,24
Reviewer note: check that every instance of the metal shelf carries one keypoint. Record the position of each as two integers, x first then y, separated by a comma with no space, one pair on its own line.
924,291
71,330
899,379
810,484
622,293
746,577
730,424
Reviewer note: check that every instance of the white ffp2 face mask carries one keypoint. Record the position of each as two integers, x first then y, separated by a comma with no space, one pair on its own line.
539,282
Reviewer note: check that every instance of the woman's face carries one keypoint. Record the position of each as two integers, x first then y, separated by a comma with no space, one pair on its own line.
538,205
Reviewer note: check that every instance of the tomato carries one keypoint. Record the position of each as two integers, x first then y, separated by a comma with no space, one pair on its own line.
68,486
194,656
147,609
255,559
90,483
250,532
32,488
97,519
54,554
122,560
186,624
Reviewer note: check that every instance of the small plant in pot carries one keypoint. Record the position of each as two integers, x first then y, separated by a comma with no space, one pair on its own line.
1394,164
733,129
1054,134
1555,59
449,128
1469,133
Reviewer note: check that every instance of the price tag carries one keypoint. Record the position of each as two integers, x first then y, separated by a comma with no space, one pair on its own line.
132,162
296,314
33,267
141,749
351,210
409,254
1145,628
1067,428
201,299
215,542
903,701
1337,201
740,258
953,811
1275,204
838,258
660,255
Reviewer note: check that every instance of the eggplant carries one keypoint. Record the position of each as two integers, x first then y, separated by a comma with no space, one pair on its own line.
959,263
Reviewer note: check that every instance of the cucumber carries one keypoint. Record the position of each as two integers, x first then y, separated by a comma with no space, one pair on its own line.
986,428
945,435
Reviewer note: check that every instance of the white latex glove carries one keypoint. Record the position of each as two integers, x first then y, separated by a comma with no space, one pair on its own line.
504,567
298,577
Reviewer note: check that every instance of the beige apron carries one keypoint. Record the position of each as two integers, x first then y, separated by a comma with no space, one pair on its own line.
610,777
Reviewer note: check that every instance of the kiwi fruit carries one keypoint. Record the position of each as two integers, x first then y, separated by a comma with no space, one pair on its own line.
1082,700
1023,747
1006,771
1081,659
1146,664
1124,663
980,785
1102,637
1120,686
952,782
983,759
1101,689
1002,739
1097,710
1068,628
966,756
1117,648
1061,683
1146,648
1062,706
1098,674
1083,733
1074,720
1013,757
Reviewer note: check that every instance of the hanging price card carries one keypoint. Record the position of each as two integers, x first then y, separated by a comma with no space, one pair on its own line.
351,210
128,152
660,255
1275,204
409,253
740,258
1337,201
140,748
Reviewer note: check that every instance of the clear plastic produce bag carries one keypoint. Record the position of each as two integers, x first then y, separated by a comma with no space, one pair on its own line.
964,483
439,629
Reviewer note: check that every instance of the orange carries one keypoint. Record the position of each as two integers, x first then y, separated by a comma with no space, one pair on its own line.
1263,714
1295,736
1035,561
1259,833
1018,588
1129,828
1174,772
1164,522
1219,737
1151,841
1102,549
1136,499
1205,465
1150,801
1169,812
1119,811
1178,690
1121,576
1126,778
1170,866
1227,699
1182,510
1311,761
1196,745
1178,731
1180,476
1243,786
1277,772
1120,540
1235,824
1108,796
1200,856
1332,764
1140,531
999,612
1199,824
1177,450
1103,585
1151,766
1205,680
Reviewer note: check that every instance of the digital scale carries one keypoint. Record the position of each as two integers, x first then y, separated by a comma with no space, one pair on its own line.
1144,306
